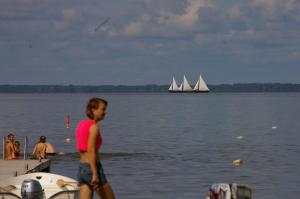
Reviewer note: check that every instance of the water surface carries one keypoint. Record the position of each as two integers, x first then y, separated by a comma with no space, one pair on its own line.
173,145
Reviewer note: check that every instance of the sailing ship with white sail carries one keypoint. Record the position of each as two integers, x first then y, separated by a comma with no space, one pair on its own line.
201,86
185,86
174,87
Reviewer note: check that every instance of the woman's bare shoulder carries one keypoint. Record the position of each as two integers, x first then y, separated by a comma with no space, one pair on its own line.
94,127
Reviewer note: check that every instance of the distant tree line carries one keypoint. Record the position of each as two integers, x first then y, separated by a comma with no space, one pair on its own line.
79,88
242,87
256,87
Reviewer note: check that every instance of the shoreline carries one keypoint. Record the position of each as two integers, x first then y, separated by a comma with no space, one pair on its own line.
151,88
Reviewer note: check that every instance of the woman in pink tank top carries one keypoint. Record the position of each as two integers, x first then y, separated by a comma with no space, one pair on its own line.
90,175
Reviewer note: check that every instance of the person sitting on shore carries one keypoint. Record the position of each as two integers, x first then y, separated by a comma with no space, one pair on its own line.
9,147
39,150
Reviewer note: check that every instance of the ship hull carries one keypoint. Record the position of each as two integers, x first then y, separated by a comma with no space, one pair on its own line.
201,91
185,91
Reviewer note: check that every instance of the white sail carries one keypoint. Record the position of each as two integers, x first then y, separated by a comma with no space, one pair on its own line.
201,85
173,86
185,85
196,87
180,87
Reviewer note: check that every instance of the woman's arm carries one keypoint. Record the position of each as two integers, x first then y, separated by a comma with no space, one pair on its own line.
34,150
92,154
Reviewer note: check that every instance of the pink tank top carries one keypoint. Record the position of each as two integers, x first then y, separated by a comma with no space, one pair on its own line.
82,135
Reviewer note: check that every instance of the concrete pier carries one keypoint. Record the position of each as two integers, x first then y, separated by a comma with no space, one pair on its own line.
10,168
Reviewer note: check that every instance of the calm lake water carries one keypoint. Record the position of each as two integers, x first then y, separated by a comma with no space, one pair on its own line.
173,145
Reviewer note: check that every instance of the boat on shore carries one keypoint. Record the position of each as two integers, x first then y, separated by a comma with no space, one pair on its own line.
185,87
39,186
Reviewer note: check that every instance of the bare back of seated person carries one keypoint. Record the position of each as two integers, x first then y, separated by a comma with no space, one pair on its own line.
40,150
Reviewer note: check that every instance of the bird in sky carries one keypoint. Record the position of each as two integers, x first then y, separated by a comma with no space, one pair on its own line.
102,24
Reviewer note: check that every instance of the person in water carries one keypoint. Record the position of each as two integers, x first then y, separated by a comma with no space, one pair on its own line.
90,175
9,147
39,150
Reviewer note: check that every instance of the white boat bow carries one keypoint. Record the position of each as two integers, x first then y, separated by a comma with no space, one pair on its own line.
54,186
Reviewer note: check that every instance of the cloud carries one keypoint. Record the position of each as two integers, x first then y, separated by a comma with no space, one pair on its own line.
134,28
201,39
35,60
234,12
59,45
185,21
268,3
297,17
274,8
69,16
167,23
137,27
165,33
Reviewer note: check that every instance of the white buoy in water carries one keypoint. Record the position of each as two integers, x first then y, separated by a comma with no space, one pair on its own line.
240,137
274,127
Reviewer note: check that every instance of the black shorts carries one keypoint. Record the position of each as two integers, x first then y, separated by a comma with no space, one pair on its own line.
85,174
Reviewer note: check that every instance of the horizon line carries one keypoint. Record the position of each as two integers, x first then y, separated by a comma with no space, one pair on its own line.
142,84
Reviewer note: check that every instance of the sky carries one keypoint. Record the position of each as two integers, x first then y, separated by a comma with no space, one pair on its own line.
138,42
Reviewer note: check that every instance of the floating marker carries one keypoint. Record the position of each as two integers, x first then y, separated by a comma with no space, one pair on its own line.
68,121
240,137
68,139
274,127
237,162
